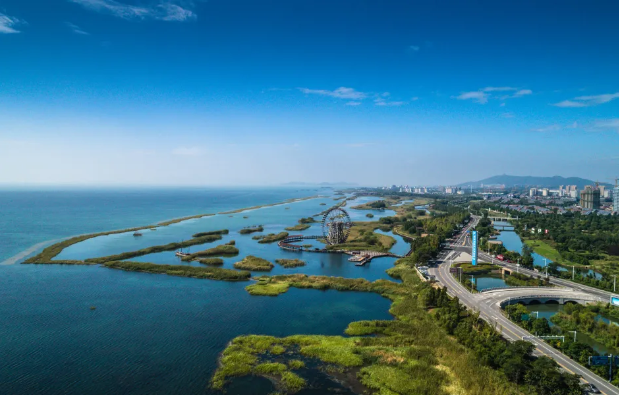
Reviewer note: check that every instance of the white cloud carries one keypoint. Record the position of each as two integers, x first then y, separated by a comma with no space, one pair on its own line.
187,151
498,89
340,93
76,29
507,115
612,124
551,128
8,23
569,103
483,95
353,103
502,104
522,92
415,98
588,101
384,103
164,11
478,96
414,48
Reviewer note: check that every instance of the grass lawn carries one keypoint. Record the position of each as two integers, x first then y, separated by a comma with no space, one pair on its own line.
547,251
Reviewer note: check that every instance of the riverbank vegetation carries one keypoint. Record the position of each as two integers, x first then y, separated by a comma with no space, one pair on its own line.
154,249
290,263
422,352
211,273
272,237
213,232
576,317
298,227
251,229
363,237
573,317
210,261
177,220
225,250
254,263
49,253
308,220
521,280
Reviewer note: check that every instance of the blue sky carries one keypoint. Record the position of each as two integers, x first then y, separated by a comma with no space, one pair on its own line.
180,92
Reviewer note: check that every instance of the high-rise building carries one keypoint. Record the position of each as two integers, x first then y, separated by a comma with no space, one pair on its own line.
616,198
602,189
532,192
545,192
590,198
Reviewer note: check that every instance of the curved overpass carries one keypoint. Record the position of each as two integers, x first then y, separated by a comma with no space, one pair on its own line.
535,295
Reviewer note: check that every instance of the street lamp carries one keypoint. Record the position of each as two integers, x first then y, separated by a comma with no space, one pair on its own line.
574,335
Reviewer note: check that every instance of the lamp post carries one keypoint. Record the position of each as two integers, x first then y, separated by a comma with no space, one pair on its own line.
574,335
546,265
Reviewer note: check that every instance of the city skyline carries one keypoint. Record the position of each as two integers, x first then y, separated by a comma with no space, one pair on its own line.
105,92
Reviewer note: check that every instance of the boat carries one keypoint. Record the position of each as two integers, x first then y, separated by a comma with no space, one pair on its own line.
180,253
136,234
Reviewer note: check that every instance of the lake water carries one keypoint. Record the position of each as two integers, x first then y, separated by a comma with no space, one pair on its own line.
549,310
154,334
513,242
487,281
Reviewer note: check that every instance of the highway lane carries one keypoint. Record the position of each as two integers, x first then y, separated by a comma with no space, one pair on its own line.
491,312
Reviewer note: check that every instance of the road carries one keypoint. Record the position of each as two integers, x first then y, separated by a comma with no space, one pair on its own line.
490,311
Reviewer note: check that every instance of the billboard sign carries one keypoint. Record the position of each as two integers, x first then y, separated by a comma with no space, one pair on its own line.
453,270
474,247
598,361
614,300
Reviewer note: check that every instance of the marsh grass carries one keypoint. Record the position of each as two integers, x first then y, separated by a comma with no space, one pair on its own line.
254,263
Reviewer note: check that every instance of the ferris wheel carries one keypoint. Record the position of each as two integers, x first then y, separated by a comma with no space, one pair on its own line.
336,226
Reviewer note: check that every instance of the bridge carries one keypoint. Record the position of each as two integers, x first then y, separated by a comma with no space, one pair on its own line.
360,257
534,295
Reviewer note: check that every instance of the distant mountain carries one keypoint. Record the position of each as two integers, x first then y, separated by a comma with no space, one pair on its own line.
321,184
543,182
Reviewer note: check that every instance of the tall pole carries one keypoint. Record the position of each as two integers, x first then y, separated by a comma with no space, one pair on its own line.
573,272
546,264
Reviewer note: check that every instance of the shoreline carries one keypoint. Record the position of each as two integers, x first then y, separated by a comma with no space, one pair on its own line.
30,251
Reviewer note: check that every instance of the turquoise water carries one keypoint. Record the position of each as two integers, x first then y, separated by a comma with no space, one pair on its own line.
548,310
153,334
512,242
487,281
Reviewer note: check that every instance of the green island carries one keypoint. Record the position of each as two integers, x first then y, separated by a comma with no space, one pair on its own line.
290,263
213,232
177,220
210,261
269,205
308,220
363,237
211,273
253,263
421,352
154,249
272,237
298,227
251,229
369,215
49,253
375,205
225,250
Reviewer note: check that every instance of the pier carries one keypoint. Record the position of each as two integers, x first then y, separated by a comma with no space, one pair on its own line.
359,257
